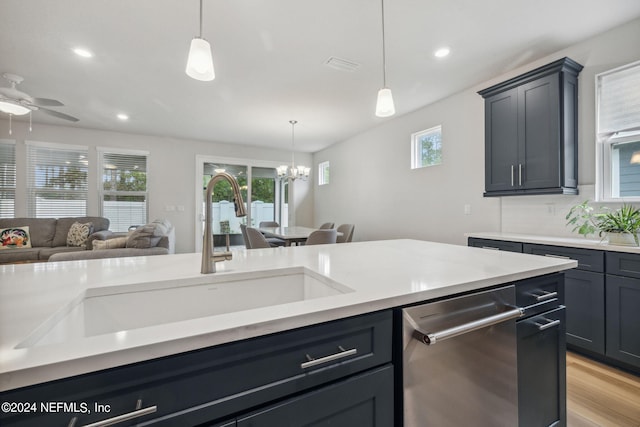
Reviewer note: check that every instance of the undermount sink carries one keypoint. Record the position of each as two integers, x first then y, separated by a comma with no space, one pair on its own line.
121,308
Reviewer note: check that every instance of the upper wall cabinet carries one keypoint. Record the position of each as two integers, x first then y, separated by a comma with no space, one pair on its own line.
531,132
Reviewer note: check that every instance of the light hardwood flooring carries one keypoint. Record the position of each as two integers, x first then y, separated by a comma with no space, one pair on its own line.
599,395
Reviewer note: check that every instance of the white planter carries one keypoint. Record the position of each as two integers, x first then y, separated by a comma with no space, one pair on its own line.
621,239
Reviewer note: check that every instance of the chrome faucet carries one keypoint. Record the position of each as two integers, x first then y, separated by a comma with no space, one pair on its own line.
209,258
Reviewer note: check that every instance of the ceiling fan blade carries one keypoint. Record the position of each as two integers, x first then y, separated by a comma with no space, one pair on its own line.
58,114
45,102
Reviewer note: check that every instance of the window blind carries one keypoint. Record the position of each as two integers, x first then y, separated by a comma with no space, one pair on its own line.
7,179
124,188
619,100
56,180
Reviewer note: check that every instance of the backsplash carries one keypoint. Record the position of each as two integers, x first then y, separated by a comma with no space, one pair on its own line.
542,215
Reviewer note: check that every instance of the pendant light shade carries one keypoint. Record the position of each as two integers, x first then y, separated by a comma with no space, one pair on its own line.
384,106
200,62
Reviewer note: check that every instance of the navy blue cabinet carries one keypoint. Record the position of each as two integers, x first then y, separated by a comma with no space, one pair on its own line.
602,298
495,244
363,400
214,385
531,144
623,307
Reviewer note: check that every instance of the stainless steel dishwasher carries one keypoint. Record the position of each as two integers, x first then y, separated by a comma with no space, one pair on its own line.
460,361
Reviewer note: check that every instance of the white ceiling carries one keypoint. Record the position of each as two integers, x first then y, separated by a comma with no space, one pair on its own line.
269,58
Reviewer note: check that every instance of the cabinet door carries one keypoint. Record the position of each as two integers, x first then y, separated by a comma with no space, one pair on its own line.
623,319
501,141
365,400
542,370
539,134
584,298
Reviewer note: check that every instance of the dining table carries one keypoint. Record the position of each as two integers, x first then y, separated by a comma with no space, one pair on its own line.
296,234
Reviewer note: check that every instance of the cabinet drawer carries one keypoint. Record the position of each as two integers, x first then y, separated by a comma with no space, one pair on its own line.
502,245
540,294
623,264
363,400
216,382
588,259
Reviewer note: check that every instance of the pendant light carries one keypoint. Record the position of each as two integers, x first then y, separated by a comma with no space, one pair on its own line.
384,106
293,172
200,62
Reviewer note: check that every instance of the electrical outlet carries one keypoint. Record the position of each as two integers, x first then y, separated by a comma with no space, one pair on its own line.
467,209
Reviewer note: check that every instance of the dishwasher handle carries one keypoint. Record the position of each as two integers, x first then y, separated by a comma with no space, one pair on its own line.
430,338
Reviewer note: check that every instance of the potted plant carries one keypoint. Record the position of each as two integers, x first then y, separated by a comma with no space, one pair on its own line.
620,225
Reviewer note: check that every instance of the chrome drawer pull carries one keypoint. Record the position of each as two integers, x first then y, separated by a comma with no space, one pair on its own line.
123,417
491,247
557,256
544,296
549,324
313,362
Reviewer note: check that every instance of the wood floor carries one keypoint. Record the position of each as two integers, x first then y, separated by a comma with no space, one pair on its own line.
599,395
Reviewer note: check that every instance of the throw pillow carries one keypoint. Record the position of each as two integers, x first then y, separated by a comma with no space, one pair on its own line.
79,233
148,235
15,237
116,242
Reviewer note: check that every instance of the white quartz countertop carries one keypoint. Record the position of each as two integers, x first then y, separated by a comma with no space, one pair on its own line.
574,242
381,274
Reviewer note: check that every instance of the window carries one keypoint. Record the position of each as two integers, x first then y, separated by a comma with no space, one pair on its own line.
618,134
123,188
426,148
56,180
323,173
7,178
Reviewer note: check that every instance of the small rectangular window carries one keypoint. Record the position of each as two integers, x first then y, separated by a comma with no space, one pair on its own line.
618,134
426,148
323,173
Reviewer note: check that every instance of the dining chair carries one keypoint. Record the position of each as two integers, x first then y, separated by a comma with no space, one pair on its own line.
321,237
326,226
347,233
257,239
274,241
243,229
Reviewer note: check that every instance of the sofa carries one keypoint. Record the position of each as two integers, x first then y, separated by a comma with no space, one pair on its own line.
37,239
51,239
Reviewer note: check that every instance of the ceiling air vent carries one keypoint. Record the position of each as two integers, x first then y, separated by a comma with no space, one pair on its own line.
341,64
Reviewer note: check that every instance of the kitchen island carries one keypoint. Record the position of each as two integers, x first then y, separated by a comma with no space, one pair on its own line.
360,278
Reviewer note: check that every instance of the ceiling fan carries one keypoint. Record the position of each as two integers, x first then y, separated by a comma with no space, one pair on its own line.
15,102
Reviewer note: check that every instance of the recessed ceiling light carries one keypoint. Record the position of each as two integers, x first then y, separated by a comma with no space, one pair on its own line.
442,52
83,52
123,117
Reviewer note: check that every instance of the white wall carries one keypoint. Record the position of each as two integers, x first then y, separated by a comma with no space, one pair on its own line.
171,163
429,203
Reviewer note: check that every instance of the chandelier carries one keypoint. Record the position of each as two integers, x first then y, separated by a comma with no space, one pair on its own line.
292,172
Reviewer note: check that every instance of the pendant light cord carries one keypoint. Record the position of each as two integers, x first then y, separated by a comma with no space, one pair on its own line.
384,57
200,18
